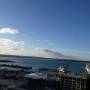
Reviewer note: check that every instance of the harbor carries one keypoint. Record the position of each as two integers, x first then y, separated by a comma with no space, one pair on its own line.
15,77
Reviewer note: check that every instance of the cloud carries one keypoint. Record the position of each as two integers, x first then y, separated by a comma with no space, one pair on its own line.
43,52
38,40
48,53
37,52
44,41
8,31
10,44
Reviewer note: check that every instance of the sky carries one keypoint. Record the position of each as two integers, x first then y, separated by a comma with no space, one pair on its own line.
36,26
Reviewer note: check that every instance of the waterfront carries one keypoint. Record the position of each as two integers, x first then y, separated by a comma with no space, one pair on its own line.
52,74
36,63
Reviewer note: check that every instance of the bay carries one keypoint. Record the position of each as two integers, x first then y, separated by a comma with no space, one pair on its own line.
36,63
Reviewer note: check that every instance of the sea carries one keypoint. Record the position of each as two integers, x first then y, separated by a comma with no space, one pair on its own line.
36,63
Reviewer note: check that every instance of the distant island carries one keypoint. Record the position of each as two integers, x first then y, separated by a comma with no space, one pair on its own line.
39,58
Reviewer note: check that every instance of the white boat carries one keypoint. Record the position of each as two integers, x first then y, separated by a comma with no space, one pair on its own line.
87,68
61,69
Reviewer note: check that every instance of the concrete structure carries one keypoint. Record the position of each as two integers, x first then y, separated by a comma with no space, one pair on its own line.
61,82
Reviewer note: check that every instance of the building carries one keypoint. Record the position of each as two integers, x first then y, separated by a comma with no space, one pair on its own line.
56,82
72,83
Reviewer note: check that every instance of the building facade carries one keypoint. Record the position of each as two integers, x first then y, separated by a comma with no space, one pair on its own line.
62,83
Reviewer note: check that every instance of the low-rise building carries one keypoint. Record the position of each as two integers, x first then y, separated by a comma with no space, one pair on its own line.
56,82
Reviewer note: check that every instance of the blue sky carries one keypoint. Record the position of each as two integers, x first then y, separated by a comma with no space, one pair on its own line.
61,25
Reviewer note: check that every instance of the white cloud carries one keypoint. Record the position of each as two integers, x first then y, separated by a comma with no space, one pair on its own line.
48,53
42,52
8,31
44,41
37,52
10,44
38,40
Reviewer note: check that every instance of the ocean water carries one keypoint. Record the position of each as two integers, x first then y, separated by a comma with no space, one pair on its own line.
75,67
36,63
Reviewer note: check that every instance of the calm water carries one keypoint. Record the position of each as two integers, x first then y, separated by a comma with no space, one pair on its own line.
75,67
36,63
